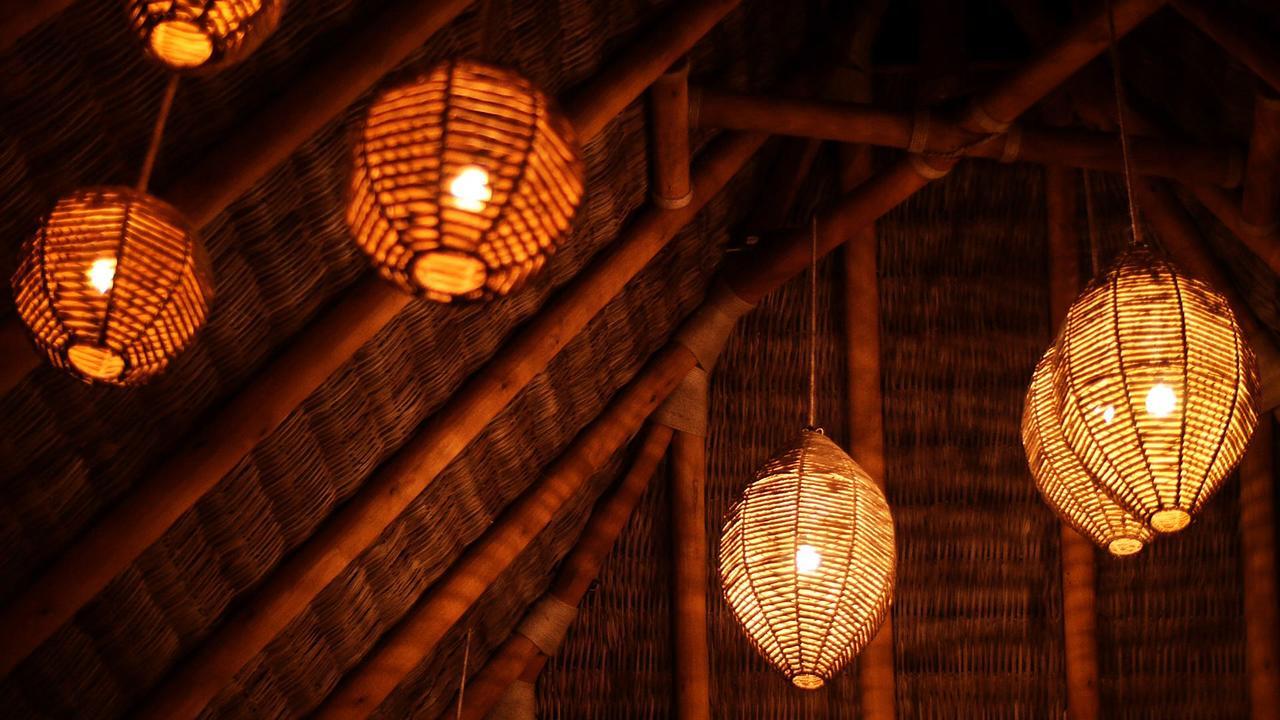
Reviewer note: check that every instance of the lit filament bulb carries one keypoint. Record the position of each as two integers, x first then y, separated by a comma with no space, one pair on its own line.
102,274
470,189
1161,400
807,559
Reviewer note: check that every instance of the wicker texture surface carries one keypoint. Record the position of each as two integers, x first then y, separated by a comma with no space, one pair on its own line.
806,559
113,285
1155,388
464,181
187,35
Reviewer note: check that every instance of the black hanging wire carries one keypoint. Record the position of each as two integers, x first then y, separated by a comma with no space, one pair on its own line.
157,133
462,683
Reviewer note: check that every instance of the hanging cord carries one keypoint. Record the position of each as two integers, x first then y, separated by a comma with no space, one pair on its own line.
1094,265
1124,139
166,104
462,684
813,323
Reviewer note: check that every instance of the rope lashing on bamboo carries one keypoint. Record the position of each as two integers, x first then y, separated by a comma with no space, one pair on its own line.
547,622
686,408
519,702
920,164
978,117
919,141
704,333
1012,144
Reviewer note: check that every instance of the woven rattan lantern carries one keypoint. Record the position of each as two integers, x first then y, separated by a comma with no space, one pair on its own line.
1155,388
1063,481
465,179
197,35
807,560
113,285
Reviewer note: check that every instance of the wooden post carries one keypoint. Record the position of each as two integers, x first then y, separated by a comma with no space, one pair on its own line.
1079,598
1262,171
669,138
865,124
23,16
121,536
579,569
1237,34
1258,545
692,667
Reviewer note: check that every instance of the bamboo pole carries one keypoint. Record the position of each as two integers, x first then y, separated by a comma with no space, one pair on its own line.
1258,545
861,123
692,667
1235,33
1079,599
1181,238
127,530
22,16
669,137
579,568
420,630
1262,171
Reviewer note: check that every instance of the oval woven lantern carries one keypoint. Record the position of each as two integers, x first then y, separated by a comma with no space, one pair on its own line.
807,560
113,285
465,180
197,35
1156,388
1063,481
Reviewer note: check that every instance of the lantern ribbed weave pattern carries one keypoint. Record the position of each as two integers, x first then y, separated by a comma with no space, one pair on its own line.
464,181
1155,387
113,285
807,560
194,35
1063,481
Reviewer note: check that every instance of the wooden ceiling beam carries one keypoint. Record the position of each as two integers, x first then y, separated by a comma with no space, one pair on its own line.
1237,34
126,530
1262,241
1260,205
19,17
669,185
577,571
863,123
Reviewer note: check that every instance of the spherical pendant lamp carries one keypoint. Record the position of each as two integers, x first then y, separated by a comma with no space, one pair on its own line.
807,560
198,35
1155,387
465,180
113,285
1063,481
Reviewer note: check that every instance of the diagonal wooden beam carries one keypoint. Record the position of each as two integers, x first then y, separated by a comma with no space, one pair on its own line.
1236,33
127,530
1262,241
861,123
578,570
19,17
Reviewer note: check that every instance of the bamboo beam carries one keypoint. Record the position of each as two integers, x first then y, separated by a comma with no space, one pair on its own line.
1261,241
22,16
420,630
861,123
691,671
579,568
1079,599
1237,34
126,531
384,496
1262,171
669,137
1258,545
1181,238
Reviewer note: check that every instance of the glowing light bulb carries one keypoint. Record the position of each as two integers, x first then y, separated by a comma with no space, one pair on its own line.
470,188
102,274
1161,400
807,559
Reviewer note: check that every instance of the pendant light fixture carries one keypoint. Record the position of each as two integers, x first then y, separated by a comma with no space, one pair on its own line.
807,554
465,180
1152,381
114,283
202,35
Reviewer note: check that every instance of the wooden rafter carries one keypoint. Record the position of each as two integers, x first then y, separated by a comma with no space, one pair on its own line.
1260,204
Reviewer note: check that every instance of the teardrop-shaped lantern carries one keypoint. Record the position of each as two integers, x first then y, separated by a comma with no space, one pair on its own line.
807,560
1155,387
199,35
465,180
1063,481
113,285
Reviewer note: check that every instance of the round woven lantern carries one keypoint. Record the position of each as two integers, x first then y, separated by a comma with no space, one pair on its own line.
196,35
807,560
465,180
113,285
1063,481
1155,387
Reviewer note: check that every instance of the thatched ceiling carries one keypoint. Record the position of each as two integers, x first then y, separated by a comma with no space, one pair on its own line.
965,316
